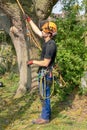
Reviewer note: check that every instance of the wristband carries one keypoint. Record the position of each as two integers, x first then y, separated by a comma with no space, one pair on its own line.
28,19
30,62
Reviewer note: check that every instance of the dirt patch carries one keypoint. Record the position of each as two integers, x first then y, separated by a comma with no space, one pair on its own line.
78,109
75,106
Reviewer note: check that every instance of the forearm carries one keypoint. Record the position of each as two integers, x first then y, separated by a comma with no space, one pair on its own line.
40,63
35,28
44,63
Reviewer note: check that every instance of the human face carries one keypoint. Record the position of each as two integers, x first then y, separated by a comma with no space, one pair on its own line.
44,34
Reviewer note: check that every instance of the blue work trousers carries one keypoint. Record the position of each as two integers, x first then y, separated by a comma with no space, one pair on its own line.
46,106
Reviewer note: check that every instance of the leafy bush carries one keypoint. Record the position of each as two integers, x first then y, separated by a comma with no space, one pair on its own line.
7,54
71,52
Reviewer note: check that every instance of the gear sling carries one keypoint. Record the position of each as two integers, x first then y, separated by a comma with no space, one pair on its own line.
46,78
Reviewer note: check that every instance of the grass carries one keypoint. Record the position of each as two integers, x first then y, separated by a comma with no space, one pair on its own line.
18,114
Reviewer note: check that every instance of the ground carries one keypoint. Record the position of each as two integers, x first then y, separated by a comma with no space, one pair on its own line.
17,114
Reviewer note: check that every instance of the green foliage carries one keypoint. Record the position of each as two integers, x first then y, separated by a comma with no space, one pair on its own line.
7,59
71,48
2,70
7,54
2,37
83,91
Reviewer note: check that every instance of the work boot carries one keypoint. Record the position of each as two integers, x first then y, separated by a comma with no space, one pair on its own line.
40,121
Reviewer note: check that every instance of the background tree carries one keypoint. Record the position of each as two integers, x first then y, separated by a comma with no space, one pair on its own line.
84,77
71,46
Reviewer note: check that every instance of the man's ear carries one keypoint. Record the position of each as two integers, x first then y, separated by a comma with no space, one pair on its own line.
50,34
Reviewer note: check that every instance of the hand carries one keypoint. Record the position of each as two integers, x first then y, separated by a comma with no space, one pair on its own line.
26,17
30,62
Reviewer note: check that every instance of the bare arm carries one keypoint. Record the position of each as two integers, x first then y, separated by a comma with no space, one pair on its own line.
44,62
35,28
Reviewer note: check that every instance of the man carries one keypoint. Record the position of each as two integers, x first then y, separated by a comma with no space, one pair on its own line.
47,32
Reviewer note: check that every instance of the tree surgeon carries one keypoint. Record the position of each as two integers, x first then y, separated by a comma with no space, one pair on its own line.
47,32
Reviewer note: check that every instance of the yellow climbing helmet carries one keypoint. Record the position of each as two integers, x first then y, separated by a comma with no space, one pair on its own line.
50,27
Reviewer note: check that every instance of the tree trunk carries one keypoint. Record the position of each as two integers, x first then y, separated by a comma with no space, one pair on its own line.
84,78
21,48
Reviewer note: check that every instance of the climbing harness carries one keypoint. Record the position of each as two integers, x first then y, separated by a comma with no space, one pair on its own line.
44,79
30,31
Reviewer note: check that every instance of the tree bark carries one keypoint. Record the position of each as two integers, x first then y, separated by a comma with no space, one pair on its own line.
84,78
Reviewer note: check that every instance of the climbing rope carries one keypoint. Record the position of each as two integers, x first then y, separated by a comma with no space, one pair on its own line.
57,74
20,6
30,32
31,35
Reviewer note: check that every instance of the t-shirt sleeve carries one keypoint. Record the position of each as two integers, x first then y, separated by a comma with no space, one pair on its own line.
50,50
